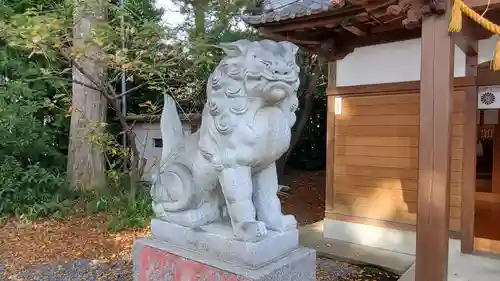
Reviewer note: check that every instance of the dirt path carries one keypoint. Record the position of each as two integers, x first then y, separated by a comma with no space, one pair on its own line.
306,198
50,241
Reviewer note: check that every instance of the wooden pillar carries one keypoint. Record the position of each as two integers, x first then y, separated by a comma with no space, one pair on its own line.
330,136
469,156
436,86
495,171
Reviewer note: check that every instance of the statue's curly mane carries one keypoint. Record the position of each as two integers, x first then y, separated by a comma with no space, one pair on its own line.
228,102
227,97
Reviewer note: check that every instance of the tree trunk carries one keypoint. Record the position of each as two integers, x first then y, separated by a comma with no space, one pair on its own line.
199,6
86,162
303,119
134,177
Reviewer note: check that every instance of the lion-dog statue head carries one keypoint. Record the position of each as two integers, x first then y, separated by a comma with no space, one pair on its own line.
252,77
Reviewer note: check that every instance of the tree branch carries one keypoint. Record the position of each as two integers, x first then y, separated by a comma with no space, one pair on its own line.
86,85
62,79
129,91
75,64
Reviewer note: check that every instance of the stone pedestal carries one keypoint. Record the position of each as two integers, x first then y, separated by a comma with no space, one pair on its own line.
177,253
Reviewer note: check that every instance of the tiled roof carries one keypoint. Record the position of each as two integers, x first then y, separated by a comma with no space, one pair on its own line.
278,10
156,117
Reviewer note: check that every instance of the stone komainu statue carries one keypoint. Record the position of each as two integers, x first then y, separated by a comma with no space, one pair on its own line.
226,171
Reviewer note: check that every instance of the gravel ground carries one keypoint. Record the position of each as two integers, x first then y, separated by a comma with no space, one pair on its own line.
331,270
85,270
79,270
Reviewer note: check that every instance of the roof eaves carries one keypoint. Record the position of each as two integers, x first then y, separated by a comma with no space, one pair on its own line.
294,10
145,118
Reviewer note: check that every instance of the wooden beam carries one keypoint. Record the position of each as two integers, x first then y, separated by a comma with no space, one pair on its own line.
381,38
393,24
320,48
469,158
355,30
486,76
434,149
278,37
310,22
376,5
472,32
330,139
464,44
459,83
357,2
466,40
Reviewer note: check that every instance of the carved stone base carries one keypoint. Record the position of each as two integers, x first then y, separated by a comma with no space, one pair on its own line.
156,260
215,241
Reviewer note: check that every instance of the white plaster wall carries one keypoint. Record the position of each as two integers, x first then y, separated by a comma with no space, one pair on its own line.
396,62
145,135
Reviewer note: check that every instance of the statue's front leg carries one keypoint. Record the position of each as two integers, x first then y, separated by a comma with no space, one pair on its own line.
266,201
236,185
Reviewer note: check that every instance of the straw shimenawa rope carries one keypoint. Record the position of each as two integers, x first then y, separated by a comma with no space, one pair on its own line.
459,7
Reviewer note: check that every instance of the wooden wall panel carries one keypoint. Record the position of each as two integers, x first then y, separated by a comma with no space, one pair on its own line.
376,158
457,159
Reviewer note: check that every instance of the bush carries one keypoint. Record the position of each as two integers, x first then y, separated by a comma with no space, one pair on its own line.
31,191
31,164
35,94
310,152
122,214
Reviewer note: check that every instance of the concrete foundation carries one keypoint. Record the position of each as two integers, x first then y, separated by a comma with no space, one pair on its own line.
372,236
311,236
465,267
155,260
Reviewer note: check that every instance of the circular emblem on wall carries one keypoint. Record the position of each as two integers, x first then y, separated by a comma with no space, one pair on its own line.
488,98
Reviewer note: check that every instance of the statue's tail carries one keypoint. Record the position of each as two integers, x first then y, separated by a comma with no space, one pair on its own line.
171,128
167,177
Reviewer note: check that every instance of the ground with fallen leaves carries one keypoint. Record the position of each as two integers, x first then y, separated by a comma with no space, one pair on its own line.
51,241
81,248
306,198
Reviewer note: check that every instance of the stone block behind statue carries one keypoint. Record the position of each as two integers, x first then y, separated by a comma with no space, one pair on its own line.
215,191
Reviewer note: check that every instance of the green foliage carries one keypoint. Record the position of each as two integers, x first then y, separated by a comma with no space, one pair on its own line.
208,23
121,213
36,60
143,10
31,165
310,151
33,127
31,191
125,42
36,56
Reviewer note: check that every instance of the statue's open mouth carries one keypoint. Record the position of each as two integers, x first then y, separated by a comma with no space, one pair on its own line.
275,92
273,88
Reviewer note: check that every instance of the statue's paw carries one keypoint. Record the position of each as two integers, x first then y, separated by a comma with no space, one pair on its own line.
250,231
283,223
192,218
